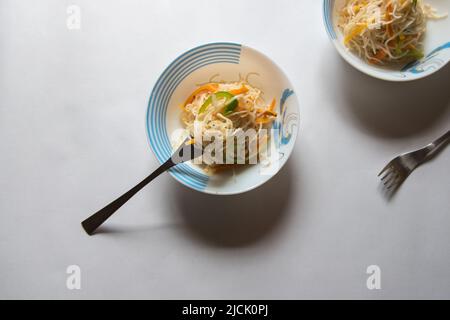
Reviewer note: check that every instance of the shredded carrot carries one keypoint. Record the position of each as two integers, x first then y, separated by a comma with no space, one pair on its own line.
241,90
273,104
263,120
267,116
390,30
388,13
387,16
379,56
210,87
392,43
263,112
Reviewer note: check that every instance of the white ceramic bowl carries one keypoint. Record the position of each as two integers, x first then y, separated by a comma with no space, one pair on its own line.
436,45
198,65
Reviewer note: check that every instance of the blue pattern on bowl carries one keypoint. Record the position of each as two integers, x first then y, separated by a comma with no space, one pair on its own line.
430,61
328,18
283,126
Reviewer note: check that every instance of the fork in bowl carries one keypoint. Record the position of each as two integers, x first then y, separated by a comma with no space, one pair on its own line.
396,171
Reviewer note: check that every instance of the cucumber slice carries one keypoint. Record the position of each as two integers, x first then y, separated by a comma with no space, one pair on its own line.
230,105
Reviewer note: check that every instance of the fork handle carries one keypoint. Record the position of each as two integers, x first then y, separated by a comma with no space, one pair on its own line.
437,145
97,219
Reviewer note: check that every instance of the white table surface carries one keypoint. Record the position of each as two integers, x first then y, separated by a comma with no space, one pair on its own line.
72,138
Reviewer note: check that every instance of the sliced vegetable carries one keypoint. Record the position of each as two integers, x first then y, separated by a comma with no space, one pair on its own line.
356,31
399,45
398,50
230,107
389,30
388,12
267,115
414,53
210,87
378,57
272,105
230,104
241,90
263,120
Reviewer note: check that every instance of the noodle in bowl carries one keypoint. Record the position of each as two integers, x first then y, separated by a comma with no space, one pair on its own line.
220,90
395,40
231,120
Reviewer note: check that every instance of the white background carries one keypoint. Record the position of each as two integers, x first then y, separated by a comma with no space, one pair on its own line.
72,138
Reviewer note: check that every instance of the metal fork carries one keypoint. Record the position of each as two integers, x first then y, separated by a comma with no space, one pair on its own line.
184,153
396,171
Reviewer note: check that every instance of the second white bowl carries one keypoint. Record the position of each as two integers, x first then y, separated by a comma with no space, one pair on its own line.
436,45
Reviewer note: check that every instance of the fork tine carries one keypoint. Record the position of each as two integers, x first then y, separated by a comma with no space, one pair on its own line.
398,169
388,173
394,183
392,187
385,168
392,176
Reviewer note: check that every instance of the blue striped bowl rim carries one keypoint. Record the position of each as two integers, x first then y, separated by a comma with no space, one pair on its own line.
172,76
328,18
